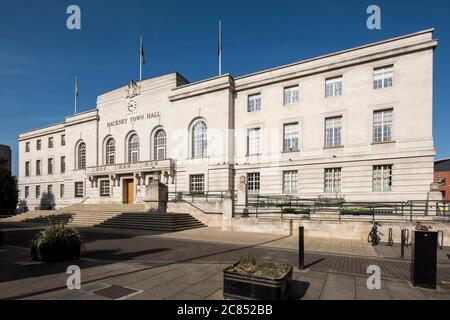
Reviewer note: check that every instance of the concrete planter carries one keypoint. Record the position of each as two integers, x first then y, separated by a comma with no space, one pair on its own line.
297,211
239,286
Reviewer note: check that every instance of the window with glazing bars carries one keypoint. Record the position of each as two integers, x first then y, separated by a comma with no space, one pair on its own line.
291,95
199,140
333,129
197,183
254,102
383,77
333,87
382,178
382,126
254,141
290,182
253,183
333,180
290,137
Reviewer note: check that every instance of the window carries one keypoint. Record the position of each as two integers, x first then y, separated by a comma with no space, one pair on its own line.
160,145
38,191
61,191
382,178
63,164
333,87
133,148
382,126
254,102
50,166
104,188
27,169
27,147
254,143
79,190
50,189
291,95
290,137
82,156
383,77
27,192
50,142
38,167
63,140
333,180
38,144
199,140
197,183
333,128
253,183
110,152
290,182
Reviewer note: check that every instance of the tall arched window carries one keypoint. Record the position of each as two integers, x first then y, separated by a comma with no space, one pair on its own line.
110,152
133,148
160,145
199,140
82,156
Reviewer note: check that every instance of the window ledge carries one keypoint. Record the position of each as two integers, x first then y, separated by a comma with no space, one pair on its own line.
254,155
384,142
332,148
290,151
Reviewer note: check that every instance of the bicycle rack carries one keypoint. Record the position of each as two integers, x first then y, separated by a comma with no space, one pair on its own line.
441,243
390,238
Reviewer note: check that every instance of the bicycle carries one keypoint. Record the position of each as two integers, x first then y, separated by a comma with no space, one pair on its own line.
374,237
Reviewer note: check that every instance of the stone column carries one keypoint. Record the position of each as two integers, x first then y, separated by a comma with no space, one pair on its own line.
228,212
434,197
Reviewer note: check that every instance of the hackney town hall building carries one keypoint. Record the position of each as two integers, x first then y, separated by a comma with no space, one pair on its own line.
355,124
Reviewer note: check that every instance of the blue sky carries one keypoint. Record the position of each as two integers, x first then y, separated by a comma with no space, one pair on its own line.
39,56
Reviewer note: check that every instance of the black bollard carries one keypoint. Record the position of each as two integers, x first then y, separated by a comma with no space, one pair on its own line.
301,248
402,245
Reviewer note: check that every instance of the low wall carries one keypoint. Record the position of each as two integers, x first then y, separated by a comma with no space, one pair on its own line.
209,213
352,230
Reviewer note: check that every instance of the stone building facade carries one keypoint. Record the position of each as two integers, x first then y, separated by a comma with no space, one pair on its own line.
355,124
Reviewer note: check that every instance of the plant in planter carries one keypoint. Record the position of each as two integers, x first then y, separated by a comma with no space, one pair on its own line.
56,243
296,210
253,280
357,211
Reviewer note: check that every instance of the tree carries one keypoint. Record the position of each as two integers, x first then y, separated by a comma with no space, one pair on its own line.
9,193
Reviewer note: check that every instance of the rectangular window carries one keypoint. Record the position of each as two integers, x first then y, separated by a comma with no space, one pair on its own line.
333,180
104,188
38,167
27,169
38,191
50,166
50,142
38,144
291,95
254,142
290,137
63,164
253,183
254,102
290,182
27,192
197,183
333,87
382,178
79,190
382,126
50,189
27,147
333,132
61,191
383,77
63,140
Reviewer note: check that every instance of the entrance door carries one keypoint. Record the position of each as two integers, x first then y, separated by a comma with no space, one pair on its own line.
129,192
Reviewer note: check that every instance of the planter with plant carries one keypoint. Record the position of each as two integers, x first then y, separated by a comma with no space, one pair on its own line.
296,210
253,280
357,211
57,243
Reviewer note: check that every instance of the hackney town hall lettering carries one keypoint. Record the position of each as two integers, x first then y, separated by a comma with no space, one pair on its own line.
133,119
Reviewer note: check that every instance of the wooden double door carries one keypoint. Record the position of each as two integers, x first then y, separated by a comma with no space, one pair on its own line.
128,191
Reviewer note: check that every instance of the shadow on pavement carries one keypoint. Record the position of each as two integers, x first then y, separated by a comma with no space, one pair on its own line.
299,289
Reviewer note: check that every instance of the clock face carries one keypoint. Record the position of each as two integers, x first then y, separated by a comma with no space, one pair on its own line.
132,106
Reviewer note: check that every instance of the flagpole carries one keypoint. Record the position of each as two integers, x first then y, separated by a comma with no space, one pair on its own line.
140,62
220,48
76,93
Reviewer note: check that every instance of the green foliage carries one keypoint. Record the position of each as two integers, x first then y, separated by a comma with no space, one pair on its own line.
270,270
296,210
56,243
330,201
9,193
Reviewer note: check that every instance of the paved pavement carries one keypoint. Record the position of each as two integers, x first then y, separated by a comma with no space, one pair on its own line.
171,266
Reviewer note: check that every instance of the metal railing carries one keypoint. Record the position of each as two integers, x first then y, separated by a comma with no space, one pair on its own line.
211,196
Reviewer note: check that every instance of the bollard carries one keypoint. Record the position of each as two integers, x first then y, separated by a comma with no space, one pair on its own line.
402,243
301,248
